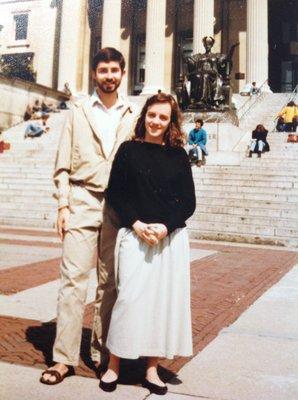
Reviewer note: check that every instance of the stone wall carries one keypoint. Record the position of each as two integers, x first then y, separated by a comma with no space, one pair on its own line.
16,94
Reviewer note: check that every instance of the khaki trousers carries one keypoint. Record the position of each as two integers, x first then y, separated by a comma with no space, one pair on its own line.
89,241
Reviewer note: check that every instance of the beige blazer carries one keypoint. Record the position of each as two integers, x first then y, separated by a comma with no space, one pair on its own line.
80,156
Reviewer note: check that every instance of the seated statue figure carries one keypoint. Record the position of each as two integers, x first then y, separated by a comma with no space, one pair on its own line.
208,75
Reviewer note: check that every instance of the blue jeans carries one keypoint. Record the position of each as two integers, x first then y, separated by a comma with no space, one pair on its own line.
33,130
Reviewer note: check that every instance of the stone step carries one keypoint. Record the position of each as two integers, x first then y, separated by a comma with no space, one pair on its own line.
232,176
267,163
245,211
202,182
26,198
4,176
16,168
240,238
23,150
47,187
245,204
15,159
291,153
28,222
246,196
34,214
269,160
29,205
233,172
32,193
246,189
233,228
19,183
247,220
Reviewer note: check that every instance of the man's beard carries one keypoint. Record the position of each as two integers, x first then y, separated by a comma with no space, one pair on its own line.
112,89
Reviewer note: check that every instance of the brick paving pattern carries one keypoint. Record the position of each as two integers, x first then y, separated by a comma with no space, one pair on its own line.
223,286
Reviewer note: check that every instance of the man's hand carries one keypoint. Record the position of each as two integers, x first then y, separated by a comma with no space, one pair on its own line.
62,221
145,233
159,230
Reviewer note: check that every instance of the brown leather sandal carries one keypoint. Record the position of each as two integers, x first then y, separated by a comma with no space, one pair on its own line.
57,375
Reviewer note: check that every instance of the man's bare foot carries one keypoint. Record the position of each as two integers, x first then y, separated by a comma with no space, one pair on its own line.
62,369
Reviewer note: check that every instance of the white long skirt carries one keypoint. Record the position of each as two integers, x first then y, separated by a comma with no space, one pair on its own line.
151,316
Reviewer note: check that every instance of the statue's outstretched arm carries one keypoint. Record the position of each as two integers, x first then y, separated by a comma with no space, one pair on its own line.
231,52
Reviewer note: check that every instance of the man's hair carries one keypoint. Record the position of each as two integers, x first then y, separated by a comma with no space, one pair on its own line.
174,136
108,54
200,121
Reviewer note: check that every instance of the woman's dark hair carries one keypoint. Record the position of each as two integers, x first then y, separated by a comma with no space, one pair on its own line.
200,121
260,128
174,136
108,54
291,104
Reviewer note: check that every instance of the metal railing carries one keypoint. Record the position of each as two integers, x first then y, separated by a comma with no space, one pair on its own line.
250,104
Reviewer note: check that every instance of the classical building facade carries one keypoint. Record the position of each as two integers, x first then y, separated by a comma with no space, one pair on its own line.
54,40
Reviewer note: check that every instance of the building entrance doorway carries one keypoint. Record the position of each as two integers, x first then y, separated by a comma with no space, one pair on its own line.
283,45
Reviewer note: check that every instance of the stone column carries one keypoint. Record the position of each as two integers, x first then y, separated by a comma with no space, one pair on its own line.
203,22
155,46
111,24
72,44
257,41
126,44
86,56
44,58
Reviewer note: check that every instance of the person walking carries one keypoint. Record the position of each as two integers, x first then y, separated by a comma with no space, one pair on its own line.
92,134
151,189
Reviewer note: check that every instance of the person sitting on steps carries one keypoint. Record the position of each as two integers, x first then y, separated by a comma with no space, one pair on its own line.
197,140
259,141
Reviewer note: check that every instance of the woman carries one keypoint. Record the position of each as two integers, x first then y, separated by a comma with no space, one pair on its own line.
151,188
259,141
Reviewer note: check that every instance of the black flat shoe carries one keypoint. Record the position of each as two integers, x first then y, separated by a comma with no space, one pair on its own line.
108,386
155,389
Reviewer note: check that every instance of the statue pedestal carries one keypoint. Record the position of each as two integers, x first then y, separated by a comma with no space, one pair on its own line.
226,142
227,116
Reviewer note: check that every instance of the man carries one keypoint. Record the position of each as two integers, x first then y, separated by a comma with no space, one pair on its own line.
94,130
250,89
197,140
254,89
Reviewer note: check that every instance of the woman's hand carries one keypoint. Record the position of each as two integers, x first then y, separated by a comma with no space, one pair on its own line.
144,232
159,230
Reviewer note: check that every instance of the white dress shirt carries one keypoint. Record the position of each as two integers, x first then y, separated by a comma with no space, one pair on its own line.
107,120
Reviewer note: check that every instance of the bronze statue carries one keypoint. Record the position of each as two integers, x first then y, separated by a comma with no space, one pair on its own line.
209,78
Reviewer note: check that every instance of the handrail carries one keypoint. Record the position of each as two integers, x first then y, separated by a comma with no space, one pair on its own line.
257,99
248,100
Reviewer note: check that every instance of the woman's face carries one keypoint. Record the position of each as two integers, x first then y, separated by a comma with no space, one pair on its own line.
157,120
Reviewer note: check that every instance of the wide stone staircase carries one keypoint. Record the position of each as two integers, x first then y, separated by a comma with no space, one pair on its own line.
26,171
262,109
256,202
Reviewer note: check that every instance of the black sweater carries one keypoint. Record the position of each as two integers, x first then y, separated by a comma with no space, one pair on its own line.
261,135
151,183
